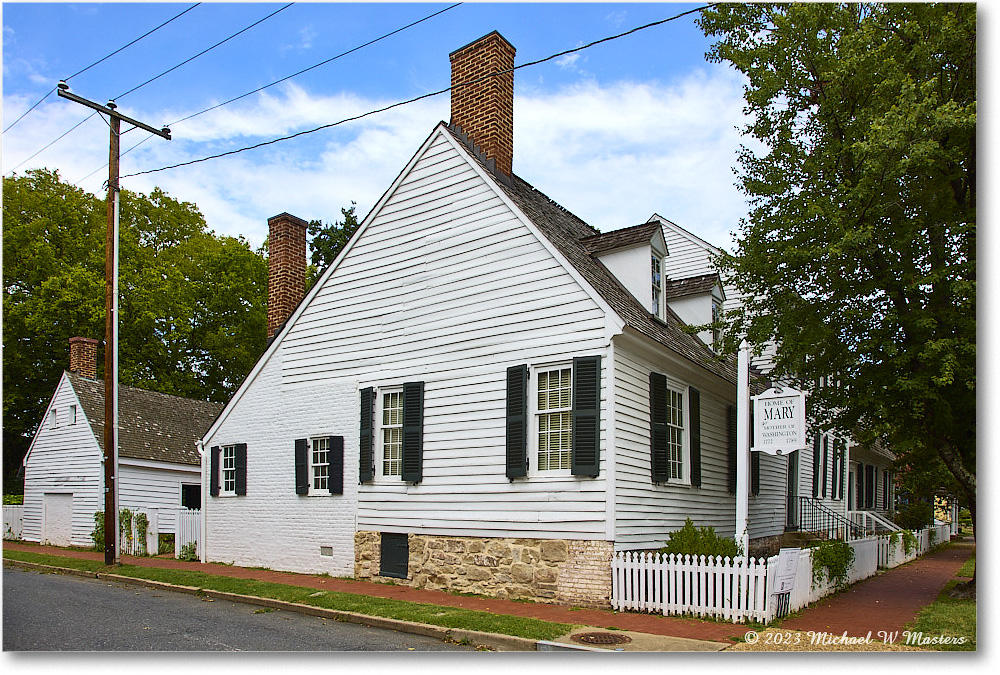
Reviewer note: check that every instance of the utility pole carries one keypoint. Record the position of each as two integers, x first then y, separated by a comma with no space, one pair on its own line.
111,553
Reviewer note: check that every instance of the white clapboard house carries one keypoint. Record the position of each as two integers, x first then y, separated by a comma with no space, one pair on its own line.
159,469
481,393
836,476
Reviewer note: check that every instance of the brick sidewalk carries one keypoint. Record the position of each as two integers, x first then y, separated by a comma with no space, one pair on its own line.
886,602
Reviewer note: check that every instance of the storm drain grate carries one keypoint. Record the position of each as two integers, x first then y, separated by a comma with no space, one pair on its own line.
601,638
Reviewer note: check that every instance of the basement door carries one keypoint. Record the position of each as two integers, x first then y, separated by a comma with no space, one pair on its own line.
57,518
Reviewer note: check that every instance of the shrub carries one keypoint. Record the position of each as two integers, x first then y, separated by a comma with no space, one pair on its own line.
189,552
915,515
691,540
836,558
165,543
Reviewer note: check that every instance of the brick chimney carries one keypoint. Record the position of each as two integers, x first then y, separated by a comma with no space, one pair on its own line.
485,110
286,268
83,356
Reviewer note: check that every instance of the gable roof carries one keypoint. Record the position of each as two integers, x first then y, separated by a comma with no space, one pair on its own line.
623,238
567,233
151,426
679,288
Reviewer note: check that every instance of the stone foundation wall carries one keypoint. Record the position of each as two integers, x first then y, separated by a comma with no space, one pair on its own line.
572,572
765,547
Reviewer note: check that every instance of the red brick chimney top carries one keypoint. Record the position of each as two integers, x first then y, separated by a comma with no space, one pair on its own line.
484,108
286,265
83,356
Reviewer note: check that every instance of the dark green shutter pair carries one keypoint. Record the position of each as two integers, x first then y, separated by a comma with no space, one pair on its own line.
215,468
816,466
658,403
336,471
586,419
413,433
731,431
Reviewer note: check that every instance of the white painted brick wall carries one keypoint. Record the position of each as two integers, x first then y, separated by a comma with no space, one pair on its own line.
272,526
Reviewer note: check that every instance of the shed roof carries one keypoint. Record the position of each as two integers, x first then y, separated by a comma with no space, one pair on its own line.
151,426
618,239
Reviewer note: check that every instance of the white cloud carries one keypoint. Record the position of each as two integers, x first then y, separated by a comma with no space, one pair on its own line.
612,154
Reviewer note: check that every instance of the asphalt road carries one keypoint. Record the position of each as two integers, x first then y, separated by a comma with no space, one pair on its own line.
52,612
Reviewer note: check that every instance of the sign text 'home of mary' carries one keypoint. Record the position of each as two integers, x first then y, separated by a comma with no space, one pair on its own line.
779,421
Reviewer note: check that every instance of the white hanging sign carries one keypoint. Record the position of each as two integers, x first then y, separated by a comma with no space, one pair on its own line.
779,421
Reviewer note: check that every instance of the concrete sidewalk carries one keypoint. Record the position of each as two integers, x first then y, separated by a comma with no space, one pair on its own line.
885,602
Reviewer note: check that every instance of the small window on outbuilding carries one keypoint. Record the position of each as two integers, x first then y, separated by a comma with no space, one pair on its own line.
191,496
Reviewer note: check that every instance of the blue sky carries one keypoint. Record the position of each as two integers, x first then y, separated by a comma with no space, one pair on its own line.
615,133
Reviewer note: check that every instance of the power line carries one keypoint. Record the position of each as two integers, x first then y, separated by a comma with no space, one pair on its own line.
304,70
423,96
321,63
101,60
161,75
51,143
169,70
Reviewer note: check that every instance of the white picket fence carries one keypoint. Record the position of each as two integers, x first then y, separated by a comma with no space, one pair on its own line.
683,584
13,520
738,590
188,531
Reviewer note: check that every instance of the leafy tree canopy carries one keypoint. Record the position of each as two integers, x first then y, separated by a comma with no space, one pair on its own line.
327,241
192,304
859,251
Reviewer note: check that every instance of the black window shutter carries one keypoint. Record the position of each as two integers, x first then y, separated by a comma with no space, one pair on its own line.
658,427
213,469
241,468
586,416
367,466
860,491
694,414
754,473
517,421
336,465
413,431
841,463
394,556
870,487
731,447
826,465
301,466
816,443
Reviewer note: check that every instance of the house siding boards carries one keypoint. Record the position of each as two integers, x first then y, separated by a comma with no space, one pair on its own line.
63,460
645,513
149,485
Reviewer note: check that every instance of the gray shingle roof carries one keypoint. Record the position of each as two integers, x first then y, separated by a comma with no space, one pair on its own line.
568,233
151,426
623,238
678,288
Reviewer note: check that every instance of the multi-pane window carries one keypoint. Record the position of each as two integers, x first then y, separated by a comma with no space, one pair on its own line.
716,325
320,463
229,468
657,284
72,414
675,434
554,418
52,419
392,433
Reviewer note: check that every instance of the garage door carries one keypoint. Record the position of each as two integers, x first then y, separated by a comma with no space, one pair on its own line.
57,518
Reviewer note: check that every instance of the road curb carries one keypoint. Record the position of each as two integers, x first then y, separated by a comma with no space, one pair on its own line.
495,641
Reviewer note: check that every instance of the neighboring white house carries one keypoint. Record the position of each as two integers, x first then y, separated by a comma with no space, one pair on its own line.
481,393
819,480
158,467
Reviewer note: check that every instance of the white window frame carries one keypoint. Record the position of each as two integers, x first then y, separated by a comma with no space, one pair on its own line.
656,285
314,466
72,414
379,429
678,434
716,325
53,419
534,445
227,455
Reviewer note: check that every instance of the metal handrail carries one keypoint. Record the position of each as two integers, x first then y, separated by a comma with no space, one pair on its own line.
817,518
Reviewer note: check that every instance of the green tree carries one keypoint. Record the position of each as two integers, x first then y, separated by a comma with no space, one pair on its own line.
192,304
859,250
327,241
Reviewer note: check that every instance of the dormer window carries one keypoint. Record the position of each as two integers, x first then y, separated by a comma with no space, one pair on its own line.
716,325
657,285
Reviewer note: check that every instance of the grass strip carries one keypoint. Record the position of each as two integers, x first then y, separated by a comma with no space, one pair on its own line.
968,569
946,617
437,615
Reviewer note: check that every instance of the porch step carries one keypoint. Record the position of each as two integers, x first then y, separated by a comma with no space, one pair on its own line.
798,539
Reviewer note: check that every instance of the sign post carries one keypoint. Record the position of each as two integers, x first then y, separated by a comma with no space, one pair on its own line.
743,448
